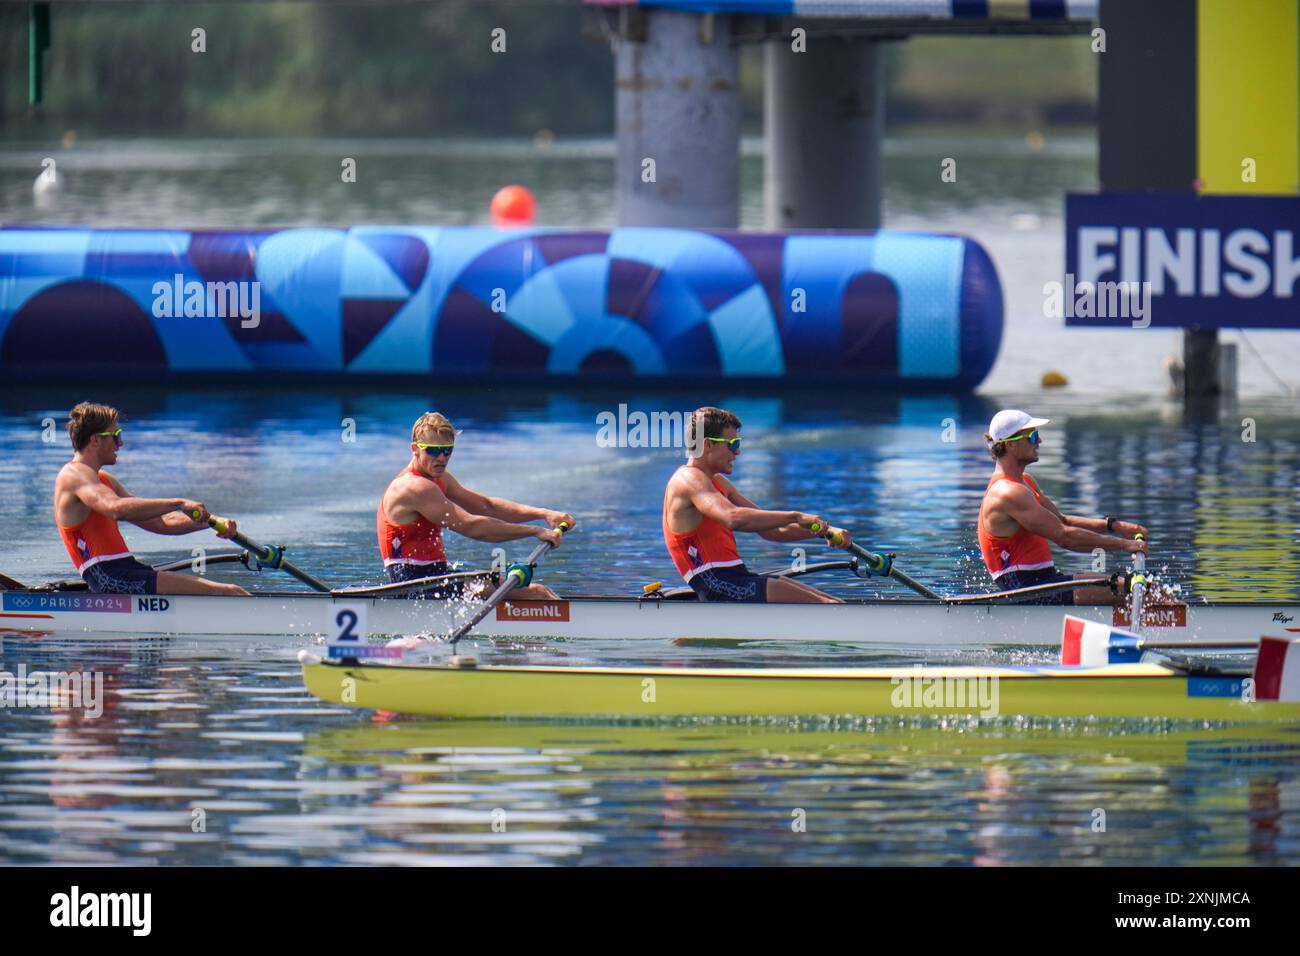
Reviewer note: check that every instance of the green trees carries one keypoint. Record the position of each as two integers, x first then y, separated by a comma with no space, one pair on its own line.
300,68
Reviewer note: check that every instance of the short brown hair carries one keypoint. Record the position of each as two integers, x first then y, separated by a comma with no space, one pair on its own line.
996,448
86,420
433,425
715,421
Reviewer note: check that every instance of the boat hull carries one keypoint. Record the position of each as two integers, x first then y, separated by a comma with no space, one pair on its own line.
871,622
1142,691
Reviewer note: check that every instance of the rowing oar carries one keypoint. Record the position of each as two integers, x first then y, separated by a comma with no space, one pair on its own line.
267,556
1016,595
1138,586
516,576
415,584
223,557
9,584
882,565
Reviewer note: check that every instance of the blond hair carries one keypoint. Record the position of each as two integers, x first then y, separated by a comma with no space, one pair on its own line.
433,425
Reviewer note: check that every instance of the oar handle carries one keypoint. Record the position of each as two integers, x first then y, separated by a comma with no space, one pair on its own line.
545,546
517,575
1139,559
876,563
271,557
1138,587
262,553
834,537
881,564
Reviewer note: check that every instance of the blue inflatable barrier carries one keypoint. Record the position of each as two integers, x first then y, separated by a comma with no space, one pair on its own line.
880,9
877,310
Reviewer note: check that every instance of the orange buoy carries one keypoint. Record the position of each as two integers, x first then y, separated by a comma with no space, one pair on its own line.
513,206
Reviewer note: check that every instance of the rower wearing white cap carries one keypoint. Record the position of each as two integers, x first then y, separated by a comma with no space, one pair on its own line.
1018,523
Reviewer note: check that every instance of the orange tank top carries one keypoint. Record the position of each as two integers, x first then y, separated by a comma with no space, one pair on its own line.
94,540
419,542
1022,551
709,546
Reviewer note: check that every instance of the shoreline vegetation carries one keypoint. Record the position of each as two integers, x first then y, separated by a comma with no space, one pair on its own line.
295,69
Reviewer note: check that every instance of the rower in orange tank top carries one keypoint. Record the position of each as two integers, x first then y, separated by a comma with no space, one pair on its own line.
418,542
425,497
703,510
710,545
94,540
1022,551
1018,523
89,503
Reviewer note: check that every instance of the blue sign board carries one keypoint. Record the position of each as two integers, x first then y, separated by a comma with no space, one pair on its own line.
1207,261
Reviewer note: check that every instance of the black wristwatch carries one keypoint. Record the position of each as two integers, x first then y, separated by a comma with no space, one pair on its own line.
1110,523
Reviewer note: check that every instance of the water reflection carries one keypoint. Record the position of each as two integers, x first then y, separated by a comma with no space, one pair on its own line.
212,755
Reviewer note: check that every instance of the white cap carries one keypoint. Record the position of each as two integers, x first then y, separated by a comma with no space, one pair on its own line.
1011,420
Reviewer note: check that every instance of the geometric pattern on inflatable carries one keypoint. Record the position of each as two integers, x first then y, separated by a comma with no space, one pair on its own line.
874,309
881,9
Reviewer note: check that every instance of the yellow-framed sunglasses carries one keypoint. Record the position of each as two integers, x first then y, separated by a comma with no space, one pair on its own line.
435,451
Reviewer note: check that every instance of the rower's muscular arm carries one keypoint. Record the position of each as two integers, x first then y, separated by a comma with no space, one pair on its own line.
1097,525
436,507
787,532
709,502
1018,502
1122,529
115,502
501,508
170,522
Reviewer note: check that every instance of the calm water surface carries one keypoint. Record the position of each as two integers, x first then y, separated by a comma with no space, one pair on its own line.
215,755
224,726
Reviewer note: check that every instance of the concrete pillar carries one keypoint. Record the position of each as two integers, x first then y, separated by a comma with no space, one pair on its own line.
824,129
1200,362
677,104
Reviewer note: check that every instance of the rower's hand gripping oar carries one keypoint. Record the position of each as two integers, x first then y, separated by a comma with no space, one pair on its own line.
516,576
266,556
879,564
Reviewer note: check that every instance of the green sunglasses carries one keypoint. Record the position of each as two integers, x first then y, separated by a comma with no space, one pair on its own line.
1032,436
435,451
732,443
115,435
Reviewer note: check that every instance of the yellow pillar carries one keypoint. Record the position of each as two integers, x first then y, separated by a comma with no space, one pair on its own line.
1248,96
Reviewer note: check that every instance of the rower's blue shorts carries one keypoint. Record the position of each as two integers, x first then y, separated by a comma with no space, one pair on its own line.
1025,579
735,583
121,576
